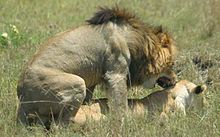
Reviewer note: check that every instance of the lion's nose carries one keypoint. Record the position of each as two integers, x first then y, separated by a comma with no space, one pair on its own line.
166,82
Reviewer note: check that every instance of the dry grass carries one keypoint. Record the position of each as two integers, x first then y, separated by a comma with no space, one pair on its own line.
193,23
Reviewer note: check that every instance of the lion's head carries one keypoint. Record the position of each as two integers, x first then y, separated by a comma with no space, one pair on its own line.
162,55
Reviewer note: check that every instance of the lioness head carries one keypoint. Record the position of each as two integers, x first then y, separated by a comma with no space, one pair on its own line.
188,95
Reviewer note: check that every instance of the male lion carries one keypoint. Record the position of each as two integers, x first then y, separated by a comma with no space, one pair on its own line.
184,95
114,48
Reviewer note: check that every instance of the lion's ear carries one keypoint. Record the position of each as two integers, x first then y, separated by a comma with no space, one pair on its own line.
158,29
199,89
164,39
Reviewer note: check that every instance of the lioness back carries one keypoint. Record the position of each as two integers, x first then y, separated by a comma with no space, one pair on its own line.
156,101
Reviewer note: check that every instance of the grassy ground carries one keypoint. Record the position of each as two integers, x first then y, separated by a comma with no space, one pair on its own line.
193,23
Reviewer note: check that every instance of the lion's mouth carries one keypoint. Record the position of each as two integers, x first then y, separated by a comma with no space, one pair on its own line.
166,82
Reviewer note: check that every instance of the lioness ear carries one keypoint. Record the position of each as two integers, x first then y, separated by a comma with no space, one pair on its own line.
199,89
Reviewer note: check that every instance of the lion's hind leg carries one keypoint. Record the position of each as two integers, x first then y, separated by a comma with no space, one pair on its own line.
27,119
70,91
53,96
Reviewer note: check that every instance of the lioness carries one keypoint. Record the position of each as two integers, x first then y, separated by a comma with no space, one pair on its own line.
114,48
182,96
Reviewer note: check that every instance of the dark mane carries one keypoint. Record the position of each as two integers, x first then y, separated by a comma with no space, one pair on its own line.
122,16
114,14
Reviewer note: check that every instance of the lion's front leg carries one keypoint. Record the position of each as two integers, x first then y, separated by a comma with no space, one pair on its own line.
117,96
116,84
117,68
117,92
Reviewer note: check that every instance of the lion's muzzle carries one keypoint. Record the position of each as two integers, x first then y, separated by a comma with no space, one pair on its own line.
166,82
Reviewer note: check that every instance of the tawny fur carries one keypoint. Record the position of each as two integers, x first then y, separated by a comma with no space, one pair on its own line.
115,48
183,96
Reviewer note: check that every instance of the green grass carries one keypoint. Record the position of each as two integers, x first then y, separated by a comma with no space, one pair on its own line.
193,23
